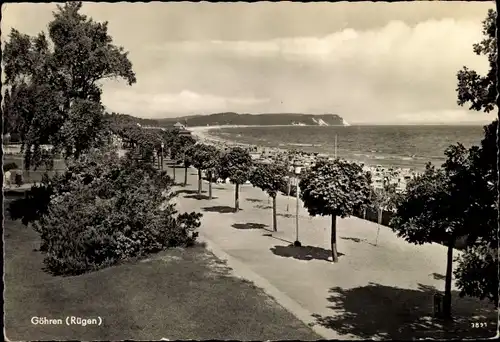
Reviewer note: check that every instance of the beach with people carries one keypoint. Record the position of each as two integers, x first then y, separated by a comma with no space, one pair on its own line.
380,173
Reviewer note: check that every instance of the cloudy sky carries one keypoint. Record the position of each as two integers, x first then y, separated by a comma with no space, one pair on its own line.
368,62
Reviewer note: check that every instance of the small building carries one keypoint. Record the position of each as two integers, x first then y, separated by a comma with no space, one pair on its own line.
179,126
182,129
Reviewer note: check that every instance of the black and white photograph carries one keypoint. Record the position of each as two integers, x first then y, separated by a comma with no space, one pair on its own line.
262,171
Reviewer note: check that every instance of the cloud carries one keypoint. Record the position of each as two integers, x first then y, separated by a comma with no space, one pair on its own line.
340,58
159,105
444,116
397,68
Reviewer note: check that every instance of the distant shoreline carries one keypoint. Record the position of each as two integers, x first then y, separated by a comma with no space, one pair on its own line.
205,128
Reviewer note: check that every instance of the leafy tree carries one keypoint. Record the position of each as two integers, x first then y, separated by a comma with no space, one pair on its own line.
204,158
444,204
181,154
478,91
335,188
53,92
475,274
236,164
477,267
477,271
211,168
270,178
481,93
383,199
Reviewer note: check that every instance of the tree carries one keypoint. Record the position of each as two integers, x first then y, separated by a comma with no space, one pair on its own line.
476,273
53,87
482,93
270,178
236,164
180,152
204,158
446,203
383,200
335,188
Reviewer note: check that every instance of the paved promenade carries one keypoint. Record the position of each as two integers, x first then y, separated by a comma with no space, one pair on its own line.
374,291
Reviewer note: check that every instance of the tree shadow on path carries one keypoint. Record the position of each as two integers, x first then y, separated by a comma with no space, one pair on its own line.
254,200
199,197
277,238
384,312
303,252
222,209
263,206
186,191
438,276
250,225
357,240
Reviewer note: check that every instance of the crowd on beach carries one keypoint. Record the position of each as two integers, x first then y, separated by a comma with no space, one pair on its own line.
380,174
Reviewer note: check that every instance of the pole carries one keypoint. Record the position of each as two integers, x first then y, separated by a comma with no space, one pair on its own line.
288,193
297,243
335,146
161,157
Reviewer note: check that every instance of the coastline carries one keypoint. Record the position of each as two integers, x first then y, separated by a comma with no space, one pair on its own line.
395,174
202,133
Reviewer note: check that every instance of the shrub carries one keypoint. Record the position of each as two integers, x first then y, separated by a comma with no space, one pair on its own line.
10,166
104,210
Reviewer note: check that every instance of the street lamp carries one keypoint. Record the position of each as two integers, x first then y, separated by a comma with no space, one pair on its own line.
289,187
161,155
297,170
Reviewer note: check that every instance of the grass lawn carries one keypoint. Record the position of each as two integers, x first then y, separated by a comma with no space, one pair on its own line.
176,294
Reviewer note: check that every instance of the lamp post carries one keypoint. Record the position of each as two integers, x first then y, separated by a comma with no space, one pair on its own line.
289,187
297,170
161,155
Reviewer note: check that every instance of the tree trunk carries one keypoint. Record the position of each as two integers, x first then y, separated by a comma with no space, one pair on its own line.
173,167
199,182
209,184
379,220
185,175
333,240
364,213
275,222
447,285
237,198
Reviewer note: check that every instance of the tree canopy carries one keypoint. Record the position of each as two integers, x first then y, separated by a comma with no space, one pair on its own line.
236,164
270,178
337,188
477,271
480,91
204,156
53,84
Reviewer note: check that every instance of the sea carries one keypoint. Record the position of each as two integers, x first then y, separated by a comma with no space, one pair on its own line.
389,146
